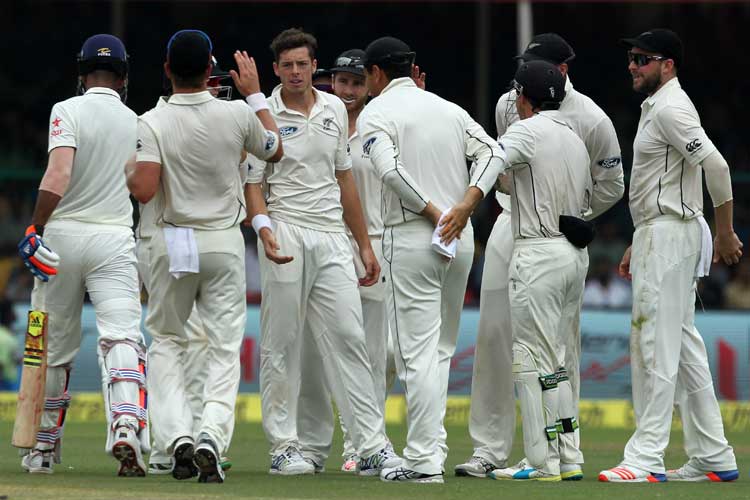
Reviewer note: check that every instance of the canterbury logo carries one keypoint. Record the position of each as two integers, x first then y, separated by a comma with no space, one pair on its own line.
693,145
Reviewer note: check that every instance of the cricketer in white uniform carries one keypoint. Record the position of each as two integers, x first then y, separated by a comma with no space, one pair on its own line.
309,286
418,144
189,150
492,416
85,213
550,178
671,249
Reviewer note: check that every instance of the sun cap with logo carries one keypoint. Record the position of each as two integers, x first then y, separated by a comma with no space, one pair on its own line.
659,41
389,51
549,47
189,52
103,51
350,61
540,81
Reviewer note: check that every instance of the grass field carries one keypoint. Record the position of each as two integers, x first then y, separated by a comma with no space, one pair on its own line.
87,473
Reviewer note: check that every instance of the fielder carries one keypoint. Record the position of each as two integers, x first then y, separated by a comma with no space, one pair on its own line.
407,134
492,418
85,215
197,255
671,249
307,268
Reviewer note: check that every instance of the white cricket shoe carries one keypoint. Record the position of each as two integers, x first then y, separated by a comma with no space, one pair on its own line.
127,451
159,468
290,463
318,468
38,462
571,472
689,473
522,471
630,474
350,464
208,460
384,459
403,475
474,467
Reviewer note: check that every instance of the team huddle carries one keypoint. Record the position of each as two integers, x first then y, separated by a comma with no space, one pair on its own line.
361,200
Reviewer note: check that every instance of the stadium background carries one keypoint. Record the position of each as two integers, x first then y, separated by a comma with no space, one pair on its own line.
466,48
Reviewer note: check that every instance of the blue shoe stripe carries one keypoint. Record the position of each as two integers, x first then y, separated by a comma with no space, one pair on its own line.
662,478
523,474
728,475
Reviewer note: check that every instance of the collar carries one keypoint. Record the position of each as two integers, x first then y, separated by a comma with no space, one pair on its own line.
404,82
320,102
191,99
103,90
652,99
568,84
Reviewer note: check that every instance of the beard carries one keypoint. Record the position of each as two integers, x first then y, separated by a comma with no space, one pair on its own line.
648,84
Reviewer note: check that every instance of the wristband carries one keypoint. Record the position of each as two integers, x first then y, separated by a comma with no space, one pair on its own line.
260,221
257,101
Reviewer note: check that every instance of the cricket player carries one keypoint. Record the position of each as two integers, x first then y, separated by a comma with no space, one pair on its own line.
189,150
159,461
671,249
84,215
307,269
418,144
492,418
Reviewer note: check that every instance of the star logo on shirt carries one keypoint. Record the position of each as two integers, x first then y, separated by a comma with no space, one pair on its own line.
56,121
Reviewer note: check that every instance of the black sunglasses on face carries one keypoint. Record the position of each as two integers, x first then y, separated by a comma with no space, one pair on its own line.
643,59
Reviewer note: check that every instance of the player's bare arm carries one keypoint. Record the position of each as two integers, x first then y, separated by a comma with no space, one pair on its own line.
143,179
257,206
355,220
727,246
456,219
624,268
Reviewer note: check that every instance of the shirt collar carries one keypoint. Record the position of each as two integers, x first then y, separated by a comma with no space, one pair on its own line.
103,90
320,102
404,81
191,98
568,84
652,99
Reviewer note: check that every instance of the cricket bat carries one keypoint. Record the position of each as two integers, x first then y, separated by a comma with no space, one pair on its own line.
33,377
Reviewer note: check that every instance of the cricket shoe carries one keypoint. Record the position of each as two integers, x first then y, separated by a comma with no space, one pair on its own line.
386,458
401,474
318,468
159,468
127,451
475,467
208,460
689,473
182,458
290,463
225,463
350,464
630,474
522,472
571,472
38,461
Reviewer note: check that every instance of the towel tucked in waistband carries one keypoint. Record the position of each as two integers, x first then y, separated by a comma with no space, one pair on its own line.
707,250
182,251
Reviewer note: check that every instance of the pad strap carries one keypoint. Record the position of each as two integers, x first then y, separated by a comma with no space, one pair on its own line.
60,403
568,424
48,436
551,432
548,381
119,409
126,375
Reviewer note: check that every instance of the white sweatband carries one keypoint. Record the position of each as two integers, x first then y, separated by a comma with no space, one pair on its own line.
718,179
260,221
257,101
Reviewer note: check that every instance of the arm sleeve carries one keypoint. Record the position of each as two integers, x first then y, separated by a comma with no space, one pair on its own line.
718,180
63,128
485,153
147,146
682,130
606,167
519,145
343,160
260,142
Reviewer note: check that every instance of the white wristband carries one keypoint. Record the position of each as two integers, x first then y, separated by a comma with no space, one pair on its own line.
260,221
257,101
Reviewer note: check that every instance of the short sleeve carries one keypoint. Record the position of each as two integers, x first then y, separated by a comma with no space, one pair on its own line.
147,145
343,159
681,128
604,150
519,145
256,169
63,128
260,142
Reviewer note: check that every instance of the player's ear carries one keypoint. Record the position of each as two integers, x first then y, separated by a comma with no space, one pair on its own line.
314,65
167,71
275,68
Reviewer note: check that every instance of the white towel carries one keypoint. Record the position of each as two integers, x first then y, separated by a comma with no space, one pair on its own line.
448,250
707,250
182,251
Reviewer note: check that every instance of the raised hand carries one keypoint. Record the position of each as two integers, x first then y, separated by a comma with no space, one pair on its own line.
246,81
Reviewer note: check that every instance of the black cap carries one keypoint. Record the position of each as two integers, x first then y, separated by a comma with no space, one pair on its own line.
388,50
549,47
188,52
659,41
350,61
541,81
103,52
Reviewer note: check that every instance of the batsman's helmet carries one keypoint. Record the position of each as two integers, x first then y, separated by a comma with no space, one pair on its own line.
105,52
541,82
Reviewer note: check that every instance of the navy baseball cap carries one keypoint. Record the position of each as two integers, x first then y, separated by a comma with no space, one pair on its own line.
350,61
389,51
659,41
103,51
549,47
189,52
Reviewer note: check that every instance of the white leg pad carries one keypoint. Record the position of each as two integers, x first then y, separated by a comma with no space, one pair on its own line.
57,400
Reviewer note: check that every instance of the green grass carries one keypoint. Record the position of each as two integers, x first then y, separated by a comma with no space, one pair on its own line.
87,473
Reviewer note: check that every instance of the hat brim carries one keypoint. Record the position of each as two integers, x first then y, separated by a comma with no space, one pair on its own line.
348,69
526,57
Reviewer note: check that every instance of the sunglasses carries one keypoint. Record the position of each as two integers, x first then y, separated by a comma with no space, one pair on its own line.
345,61
643,59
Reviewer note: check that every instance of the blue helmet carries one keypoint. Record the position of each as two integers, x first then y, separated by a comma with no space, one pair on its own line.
105,52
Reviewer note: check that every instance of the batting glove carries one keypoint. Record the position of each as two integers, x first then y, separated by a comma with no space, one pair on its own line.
41,261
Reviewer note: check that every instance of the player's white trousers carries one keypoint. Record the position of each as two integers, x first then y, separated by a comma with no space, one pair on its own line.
316,293
218,292
492,418
315,423
667,351
425,297
98,259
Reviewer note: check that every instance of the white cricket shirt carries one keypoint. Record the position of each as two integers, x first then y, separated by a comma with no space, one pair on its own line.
369,186
550,177
595,128
103,132
667,151
302,188
431,140
198,140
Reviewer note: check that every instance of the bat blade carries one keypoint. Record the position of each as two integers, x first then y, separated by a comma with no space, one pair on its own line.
33,377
